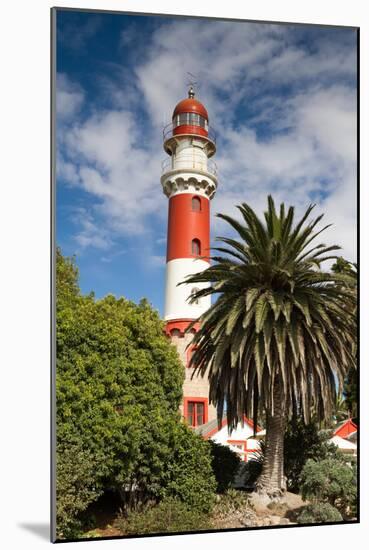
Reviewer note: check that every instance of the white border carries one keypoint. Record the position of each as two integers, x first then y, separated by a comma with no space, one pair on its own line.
25,267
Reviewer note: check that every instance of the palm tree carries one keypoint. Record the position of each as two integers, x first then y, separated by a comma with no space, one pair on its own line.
350,393
279,338
340,410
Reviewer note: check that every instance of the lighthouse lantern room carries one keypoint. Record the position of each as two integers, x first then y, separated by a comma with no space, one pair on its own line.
189,180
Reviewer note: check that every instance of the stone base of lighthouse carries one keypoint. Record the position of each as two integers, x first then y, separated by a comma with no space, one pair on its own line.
195,389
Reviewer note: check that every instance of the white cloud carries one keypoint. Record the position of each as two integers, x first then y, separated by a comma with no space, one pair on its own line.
308,154
90,234
75,36
69,98
113,167
67,171
314,162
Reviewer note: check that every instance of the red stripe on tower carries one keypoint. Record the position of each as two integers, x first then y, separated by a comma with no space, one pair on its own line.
189,181
188,227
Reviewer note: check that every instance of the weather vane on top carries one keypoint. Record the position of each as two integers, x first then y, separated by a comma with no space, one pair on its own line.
192,82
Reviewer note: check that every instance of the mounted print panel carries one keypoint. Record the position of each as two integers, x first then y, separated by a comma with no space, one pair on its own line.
205,374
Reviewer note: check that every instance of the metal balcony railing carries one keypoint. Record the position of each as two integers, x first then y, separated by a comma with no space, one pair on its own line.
168,132
188,162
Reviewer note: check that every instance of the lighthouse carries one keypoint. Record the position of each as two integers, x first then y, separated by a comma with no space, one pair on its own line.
189,180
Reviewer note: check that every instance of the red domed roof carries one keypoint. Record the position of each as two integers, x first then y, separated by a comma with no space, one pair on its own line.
190,105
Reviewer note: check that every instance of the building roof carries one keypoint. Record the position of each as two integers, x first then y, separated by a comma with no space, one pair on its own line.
352,437
345,428
259,435
343,444
212,427
190,105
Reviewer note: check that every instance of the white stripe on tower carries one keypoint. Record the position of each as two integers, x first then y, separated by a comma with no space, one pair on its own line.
189,181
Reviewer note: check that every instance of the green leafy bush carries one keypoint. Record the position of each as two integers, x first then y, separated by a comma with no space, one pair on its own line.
251,469
232,501
118,390
301,443
224,463
170,515
251,472
319,513
331,481
75,487
189,475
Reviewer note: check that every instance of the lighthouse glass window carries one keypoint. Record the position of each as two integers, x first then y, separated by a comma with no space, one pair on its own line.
191,119
194,119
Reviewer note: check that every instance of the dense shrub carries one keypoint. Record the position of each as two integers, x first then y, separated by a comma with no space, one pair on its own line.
301,443
251,472
118,390
232,501
319,513
331,481
225,464
75,487
189,475
170,515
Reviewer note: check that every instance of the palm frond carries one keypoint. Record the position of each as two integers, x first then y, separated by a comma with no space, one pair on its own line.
276,317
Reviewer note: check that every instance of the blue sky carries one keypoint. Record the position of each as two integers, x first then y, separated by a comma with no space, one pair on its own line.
282,99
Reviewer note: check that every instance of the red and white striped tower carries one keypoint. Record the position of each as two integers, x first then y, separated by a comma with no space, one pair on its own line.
189,180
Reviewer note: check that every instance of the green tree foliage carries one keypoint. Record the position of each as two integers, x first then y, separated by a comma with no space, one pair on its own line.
75,486
350,390
118,389
67,288
340,409
329,480
189,474
344,266
321,512
225,464
350,393
302,442
282,331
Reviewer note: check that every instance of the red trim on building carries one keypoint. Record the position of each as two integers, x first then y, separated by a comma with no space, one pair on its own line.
181,325
224,423
346,429
243,442
251,424
236,442
196,399
190,129
215,430
185,225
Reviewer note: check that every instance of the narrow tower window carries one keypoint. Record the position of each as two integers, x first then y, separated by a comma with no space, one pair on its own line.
196,248
196,204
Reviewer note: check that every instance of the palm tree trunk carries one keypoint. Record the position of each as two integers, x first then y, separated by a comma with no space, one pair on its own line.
272,480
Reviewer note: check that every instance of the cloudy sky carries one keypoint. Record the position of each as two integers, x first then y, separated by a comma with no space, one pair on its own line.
282,99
